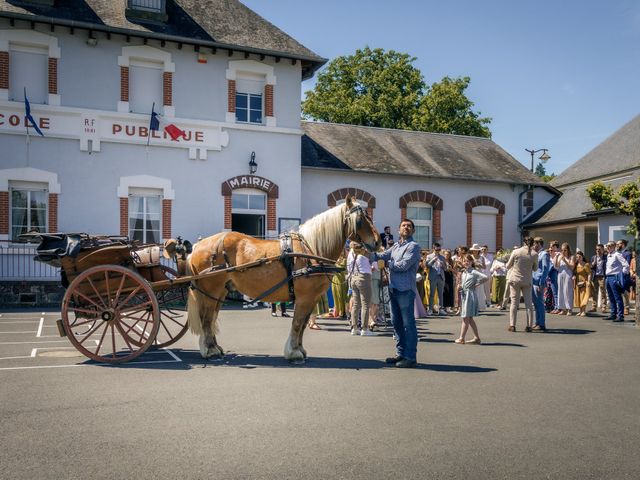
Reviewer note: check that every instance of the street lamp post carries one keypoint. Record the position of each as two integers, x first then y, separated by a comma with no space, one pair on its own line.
544,157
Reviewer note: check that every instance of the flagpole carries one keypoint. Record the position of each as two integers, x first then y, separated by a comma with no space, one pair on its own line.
26,121
149,131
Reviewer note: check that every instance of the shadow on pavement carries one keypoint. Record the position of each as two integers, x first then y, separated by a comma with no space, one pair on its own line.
569,331
191,359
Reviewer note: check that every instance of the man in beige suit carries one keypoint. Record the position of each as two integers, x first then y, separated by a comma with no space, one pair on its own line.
522,263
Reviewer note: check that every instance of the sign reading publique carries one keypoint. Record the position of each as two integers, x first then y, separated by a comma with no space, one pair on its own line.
91,127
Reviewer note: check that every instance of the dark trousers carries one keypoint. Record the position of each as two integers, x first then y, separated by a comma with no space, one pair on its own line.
616,304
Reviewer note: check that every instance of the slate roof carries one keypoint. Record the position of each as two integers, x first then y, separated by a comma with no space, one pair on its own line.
574,204
208,22
615,161
403,152
618,153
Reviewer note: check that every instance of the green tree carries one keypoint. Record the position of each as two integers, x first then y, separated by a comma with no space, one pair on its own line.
446,109
378,88
374,88
541,172
624,201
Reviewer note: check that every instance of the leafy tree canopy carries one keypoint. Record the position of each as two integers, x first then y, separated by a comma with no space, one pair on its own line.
379,88
446,109
624,201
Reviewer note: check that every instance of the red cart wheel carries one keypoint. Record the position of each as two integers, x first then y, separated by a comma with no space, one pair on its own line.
110,314
173,324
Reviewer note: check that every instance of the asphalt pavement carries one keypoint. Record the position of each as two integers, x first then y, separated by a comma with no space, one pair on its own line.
560,405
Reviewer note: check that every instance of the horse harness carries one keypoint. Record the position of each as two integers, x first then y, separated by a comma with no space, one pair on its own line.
287,257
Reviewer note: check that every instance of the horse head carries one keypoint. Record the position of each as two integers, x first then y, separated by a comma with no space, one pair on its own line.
359,226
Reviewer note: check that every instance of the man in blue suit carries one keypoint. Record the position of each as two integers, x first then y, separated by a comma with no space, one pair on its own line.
539,282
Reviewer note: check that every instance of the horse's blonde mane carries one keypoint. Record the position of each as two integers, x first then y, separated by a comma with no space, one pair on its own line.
324,232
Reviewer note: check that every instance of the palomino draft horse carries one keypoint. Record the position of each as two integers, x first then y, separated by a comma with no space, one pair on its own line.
324,235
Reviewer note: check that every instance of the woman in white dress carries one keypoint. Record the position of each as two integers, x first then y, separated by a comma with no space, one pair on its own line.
469,305
565,264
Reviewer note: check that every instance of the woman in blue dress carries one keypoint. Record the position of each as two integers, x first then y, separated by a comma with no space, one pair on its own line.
469,306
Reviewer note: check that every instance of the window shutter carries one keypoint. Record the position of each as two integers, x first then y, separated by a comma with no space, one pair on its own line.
28,68
145,87
484,229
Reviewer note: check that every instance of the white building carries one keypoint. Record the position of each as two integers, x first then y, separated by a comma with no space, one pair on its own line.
226,77
231,81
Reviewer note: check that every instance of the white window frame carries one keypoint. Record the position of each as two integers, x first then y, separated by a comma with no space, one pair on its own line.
422,223
623,230
145,194
141,54
251,70
147,183
25,40
16,176
249,109
249,211
29,188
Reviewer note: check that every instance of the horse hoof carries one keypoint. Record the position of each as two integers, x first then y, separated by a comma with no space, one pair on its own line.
296,356
213,352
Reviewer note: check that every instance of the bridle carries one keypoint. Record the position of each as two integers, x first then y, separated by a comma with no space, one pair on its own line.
355,236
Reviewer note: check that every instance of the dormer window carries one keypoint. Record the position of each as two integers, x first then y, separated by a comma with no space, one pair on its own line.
157,6
150,10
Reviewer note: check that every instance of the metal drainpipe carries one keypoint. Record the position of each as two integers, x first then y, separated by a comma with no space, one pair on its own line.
525,190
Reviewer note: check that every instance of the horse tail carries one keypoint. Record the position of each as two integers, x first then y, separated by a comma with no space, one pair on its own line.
201,309
193,307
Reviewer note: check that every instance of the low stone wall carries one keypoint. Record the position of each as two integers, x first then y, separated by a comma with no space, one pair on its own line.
30,294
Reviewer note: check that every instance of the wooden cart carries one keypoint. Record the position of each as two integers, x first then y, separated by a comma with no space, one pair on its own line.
119,299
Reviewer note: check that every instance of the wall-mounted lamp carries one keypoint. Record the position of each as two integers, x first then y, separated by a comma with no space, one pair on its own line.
253,166
92,41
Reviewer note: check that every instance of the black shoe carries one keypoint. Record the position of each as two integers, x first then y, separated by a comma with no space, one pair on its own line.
406,363
395,359
618,320
610,318
285,314
527,329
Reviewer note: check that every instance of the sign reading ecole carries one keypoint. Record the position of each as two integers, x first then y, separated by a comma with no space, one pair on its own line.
92,127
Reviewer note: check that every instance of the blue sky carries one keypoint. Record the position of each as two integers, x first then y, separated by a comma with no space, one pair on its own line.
562,75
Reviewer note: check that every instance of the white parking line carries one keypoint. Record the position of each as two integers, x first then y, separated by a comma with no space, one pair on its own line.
37,341
175,359
40,326
19,321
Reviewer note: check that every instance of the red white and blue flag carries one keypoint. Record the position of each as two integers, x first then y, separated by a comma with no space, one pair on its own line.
157,121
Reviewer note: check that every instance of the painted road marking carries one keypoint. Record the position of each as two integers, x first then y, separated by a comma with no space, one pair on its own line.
34,354
40,326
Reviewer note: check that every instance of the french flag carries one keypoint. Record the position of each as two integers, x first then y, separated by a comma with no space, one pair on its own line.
174,132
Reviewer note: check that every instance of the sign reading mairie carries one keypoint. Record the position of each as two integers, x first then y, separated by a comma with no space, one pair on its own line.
91,127
250,181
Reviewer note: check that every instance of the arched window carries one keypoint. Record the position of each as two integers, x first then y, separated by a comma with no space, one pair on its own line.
422,215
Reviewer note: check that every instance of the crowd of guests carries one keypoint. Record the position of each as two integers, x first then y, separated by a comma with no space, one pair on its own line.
411,283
